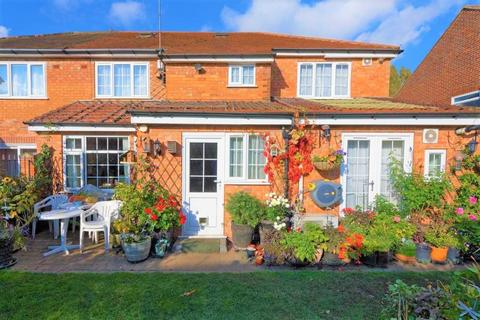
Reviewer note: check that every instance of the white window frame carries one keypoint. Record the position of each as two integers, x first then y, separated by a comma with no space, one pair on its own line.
334,74
29,64
82,152
112,85
18,149
374,163
244,179
240,77
443,160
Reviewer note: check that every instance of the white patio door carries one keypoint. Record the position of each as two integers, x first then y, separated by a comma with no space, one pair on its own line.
203,163
367,166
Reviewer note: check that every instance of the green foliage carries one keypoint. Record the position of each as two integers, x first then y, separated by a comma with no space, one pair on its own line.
418,193
407,248
335,239
439,235
400,301
304,243
398,79
245,209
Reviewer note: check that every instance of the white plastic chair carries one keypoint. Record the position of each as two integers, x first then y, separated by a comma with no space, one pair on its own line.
54,203
103,213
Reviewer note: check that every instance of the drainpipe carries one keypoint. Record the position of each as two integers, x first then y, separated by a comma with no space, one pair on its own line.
286,138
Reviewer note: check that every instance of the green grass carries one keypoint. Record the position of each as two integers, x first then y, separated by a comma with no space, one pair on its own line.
259,295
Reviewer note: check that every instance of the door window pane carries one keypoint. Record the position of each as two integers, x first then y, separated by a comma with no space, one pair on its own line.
121,75
323,82
391,149
19,80
357,174
203,168
236,157
3,80
341,80
306,75
256,159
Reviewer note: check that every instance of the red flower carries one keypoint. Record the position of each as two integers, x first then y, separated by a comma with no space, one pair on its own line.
348,210
154,217
298,229
148,211
183,218
342,253
341,228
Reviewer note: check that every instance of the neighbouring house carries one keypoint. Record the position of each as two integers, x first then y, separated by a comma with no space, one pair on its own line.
200,106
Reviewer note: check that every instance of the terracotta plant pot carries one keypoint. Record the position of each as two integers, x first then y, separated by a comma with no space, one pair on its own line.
241,235
439,255
405,259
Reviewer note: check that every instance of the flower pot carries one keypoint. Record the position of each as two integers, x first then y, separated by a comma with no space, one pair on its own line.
439,255
298,263
241,235
160,247
137,251
331,259
6,258
423,253
377,260
453,255
265,226
405,259
325,165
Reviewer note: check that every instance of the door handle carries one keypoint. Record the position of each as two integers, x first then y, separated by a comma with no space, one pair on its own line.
372,183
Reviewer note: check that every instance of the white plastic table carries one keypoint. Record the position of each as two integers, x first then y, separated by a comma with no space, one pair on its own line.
64,216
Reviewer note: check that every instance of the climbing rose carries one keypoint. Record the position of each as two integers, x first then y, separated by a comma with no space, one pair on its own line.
473,200
459,211
472,217
148,211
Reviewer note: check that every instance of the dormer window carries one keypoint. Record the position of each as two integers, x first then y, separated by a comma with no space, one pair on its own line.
122,80
324,80
22,80
241,75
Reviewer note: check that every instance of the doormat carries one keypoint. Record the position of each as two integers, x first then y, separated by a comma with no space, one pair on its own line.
201,245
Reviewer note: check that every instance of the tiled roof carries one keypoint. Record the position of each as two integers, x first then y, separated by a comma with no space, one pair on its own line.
202,43
453,65
109,112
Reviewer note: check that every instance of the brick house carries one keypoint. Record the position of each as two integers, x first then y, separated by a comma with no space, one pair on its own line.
200,106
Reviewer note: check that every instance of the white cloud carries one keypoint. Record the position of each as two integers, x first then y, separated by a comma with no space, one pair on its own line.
406,25
69,5
388,21
3,31
127,12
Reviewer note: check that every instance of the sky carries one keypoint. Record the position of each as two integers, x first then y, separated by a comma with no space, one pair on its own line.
415,25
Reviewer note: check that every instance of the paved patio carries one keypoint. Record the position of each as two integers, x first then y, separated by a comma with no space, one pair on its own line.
94,259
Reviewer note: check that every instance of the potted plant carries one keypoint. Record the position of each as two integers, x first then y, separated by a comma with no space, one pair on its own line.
406,252
246,212
329,162
336,237
440,238
276,210
6,245
307,244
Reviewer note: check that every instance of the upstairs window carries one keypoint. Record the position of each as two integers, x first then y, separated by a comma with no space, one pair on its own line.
324,80
241,75
22,80
122,80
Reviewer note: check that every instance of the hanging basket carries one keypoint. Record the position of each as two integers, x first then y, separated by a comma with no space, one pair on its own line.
326,165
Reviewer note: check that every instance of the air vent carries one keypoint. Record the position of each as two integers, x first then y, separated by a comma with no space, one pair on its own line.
430,135
221,34
146,35
367,61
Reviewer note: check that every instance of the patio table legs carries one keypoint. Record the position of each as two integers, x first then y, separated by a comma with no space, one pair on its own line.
63,247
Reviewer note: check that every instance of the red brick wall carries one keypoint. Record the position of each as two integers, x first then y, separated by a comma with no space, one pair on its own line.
366,81
185,83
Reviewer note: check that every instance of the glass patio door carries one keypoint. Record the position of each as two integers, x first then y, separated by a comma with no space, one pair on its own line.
367,166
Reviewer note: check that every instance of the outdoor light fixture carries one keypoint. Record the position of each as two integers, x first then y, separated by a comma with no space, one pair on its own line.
199,68
459,156
157,148
274,150
326,131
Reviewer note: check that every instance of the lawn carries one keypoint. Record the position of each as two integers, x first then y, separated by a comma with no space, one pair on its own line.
260,295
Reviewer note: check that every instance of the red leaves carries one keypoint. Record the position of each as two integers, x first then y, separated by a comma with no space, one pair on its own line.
183,218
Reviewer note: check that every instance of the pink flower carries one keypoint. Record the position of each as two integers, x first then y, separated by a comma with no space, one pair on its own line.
473,200
459,211
472,217
396,219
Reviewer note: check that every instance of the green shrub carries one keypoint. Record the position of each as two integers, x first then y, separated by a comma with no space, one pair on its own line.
304,243
245,209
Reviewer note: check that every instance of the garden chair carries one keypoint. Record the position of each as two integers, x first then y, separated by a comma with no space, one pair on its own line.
54,203
103,213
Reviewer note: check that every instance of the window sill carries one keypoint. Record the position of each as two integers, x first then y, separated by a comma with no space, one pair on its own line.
241,86
247,183
23,98
123,98
325,98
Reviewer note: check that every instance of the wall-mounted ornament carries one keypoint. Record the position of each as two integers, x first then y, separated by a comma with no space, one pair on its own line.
157,148
326,193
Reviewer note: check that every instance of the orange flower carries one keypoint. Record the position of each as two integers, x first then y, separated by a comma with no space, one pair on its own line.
341,228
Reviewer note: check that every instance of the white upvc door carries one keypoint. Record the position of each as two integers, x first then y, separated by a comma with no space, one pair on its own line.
367,164
203,191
